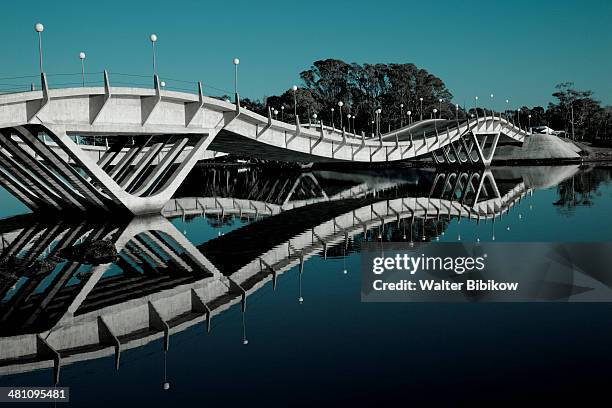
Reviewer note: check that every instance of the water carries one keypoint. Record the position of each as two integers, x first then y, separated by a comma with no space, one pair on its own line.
330,348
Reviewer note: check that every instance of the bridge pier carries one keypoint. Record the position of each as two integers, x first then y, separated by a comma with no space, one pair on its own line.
140,182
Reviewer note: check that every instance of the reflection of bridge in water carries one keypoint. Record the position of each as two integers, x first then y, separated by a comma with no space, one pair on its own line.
57,310
153,138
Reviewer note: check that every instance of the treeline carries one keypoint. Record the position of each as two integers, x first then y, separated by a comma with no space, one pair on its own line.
397,89
362,89
576,112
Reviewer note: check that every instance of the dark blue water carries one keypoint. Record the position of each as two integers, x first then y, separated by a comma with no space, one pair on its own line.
334,350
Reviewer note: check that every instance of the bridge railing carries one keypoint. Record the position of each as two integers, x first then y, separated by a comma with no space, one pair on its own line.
26,83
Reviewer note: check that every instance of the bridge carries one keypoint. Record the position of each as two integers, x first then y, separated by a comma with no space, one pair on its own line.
154,137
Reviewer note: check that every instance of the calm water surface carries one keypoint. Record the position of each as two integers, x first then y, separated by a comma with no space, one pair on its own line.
329,348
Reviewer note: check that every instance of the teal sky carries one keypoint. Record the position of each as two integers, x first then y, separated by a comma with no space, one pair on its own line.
514,49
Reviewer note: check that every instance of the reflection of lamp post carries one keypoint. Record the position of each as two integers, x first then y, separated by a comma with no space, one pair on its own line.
340,104
82,58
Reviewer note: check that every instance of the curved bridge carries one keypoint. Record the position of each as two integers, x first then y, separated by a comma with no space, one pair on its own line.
154,137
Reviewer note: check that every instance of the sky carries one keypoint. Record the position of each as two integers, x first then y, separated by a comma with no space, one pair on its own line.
517,50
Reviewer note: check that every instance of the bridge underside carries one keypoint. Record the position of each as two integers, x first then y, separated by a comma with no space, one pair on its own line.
48,171
233,143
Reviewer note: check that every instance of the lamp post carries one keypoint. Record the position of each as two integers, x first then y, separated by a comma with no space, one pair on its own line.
283,113
39,29
401,115
529,122
457,112
492,110
82,58
476,106
440,101
409,113
294,88
354,131
340,104
507,107
153,39
332,117
421,111
276,114
348,120
314,116
572,108
236,61
435,111
372,127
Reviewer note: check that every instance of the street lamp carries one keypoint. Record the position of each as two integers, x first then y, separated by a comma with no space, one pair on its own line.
294,88
340,104
440,101
82,58
354,131
476,106
314,116
409,113
492,110
236,61
283,113
276,114
529,121
421,112
153,39
163,84
507,107
435,114
348,119
39,29
457,112
332,116
401,115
